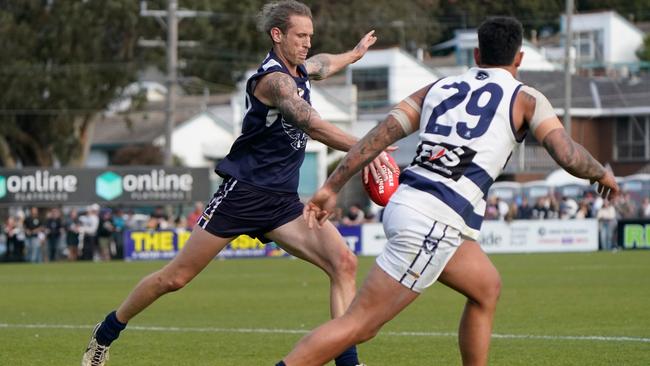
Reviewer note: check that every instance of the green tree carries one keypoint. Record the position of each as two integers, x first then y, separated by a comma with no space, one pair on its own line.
60,64
644,51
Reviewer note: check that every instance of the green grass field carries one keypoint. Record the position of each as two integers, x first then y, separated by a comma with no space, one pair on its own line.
555,309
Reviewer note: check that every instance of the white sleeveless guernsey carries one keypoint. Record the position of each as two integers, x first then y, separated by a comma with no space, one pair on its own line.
466,138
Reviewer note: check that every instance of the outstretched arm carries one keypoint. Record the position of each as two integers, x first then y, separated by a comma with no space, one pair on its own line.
323,65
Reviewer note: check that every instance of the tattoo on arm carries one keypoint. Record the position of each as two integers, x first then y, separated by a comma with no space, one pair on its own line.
572,156
366,150
318,66
283,93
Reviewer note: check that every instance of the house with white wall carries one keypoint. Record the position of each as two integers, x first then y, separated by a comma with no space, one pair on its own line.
601,40
466,40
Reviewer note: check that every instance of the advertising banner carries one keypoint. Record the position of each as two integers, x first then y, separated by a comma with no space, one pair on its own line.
165,244
634,234
110,185
353,236
539,236
374,239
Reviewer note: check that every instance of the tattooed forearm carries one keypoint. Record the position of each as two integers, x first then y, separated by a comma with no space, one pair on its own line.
318,66
366,150
284,95
572,156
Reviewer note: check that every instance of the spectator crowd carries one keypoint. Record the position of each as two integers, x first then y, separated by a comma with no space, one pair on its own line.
92,233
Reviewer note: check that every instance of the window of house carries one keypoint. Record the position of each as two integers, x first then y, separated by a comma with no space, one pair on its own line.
589,47
372,87
632,138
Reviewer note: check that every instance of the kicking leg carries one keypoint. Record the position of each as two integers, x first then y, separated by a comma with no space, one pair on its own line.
199,250
197,253
379,300
471,273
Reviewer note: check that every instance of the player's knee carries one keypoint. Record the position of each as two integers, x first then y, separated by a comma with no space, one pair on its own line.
171,282
490,292
346,265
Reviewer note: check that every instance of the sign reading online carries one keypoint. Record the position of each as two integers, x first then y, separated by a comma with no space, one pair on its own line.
120,185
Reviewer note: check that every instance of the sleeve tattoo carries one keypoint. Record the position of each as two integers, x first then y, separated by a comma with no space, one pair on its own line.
284,95
572,156
320,66
366,150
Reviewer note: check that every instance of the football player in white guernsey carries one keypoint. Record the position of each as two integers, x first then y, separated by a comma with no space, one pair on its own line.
468,126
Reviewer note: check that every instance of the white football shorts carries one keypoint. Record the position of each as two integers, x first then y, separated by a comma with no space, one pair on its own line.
418,247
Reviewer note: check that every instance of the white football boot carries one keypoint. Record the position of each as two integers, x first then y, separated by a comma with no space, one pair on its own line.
96,354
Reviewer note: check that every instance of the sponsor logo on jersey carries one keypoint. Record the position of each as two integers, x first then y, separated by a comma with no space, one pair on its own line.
445,159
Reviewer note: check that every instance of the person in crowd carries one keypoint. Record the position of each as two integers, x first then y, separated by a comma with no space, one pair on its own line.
72,234
53,233
355,215
119,223
583,211
33,230
88,228
513,211
607,223
568,208
625,206
502,208
105,232
194,216
644,210
161,218
14,232
492,209
524,211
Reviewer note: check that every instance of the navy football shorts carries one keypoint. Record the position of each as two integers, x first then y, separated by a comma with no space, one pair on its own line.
238,208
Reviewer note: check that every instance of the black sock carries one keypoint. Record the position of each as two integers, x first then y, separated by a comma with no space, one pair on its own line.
348,357
109,330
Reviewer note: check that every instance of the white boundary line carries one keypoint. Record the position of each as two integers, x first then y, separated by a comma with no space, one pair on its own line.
301,331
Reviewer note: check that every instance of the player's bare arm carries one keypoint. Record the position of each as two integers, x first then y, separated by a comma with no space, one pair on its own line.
401,121
280,90
571,156
323,65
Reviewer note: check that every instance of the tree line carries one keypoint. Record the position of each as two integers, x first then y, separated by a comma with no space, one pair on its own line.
63,62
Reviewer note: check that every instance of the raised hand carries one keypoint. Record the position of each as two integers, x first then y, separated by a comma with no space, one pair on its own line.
362,47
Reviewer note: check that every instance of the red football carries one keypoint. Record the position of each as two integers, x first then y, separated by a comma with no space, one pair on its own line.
380,191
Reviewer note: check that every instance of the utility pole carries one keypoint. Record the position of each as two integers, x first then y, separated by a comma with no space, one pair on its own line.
172,14
568,44
172,61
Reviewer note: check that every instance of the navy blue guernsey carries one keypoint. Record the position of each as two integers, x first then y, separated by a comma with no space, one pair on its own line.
270,150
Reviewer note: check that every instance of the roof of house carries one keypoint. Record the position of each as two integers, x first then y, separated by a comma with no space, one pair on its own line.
598,93
145,125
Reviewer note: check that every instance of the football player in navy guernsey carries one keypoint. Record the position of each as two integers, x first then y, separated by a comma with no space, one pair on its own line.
468,126
258,196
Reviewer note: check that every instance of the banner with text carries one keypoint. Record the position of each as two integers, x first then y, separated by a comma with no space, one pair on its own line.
109,185
165,244
634,234
525,236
